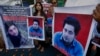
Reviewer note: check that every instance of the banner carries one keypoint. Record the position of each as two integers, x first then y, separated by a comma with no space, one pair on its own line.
14,22
35,27
72,29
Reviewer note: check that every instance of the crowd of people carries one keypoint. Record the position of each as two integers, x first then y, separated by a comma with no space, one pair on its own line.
43,46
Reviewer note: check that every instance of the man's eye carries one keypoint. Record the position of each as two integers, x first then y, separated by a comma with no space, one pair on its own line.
70,32
65,30
10,30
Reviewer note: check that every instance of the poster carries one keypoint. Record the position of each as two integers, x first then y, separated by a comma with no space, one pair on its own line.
14,22
75,26
35,25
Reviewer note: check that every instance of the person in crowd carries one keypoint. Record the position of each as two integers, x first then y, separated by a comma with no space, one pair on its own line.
93,50
39,10
50,16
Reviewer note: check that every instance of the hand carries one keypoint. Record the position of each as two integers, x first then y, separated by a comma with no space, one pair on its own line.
96,13
94,48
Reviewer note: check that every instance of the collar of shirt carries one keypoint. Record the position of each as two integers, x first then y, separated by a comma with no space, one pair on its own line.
72,44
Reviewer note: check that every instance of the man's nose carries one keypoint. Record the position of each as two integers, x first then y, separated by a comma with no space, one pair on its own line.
14,31
66,33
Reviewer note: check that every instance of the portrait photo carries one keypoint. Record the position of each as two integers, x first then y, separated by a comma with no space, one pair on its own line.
15,32
71,30
35,26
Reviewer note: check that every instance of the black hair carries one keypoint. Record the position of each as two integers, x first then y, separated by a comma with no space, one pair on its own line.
36,11
8,24
35,20
71,20
14,39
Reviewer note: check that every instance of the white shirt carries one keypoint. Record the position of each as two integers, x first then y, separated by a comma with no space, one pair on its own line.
71,3
95,32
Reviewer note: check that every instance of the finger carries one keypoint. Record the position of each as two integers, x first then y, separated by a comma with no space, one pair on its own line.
94,48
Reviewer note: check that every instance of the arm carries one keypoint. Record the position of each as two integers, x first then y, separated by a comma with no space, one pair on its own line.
30,29
96,15
80,51
41,32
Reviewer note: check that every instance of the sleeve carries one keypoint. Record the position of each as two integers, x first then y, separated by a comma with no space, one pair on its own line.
30,29
55,39
41,30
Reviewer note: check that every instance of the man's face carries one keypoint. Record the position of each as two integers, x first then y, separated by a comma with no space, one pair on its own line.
68,33
35,25
13,30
